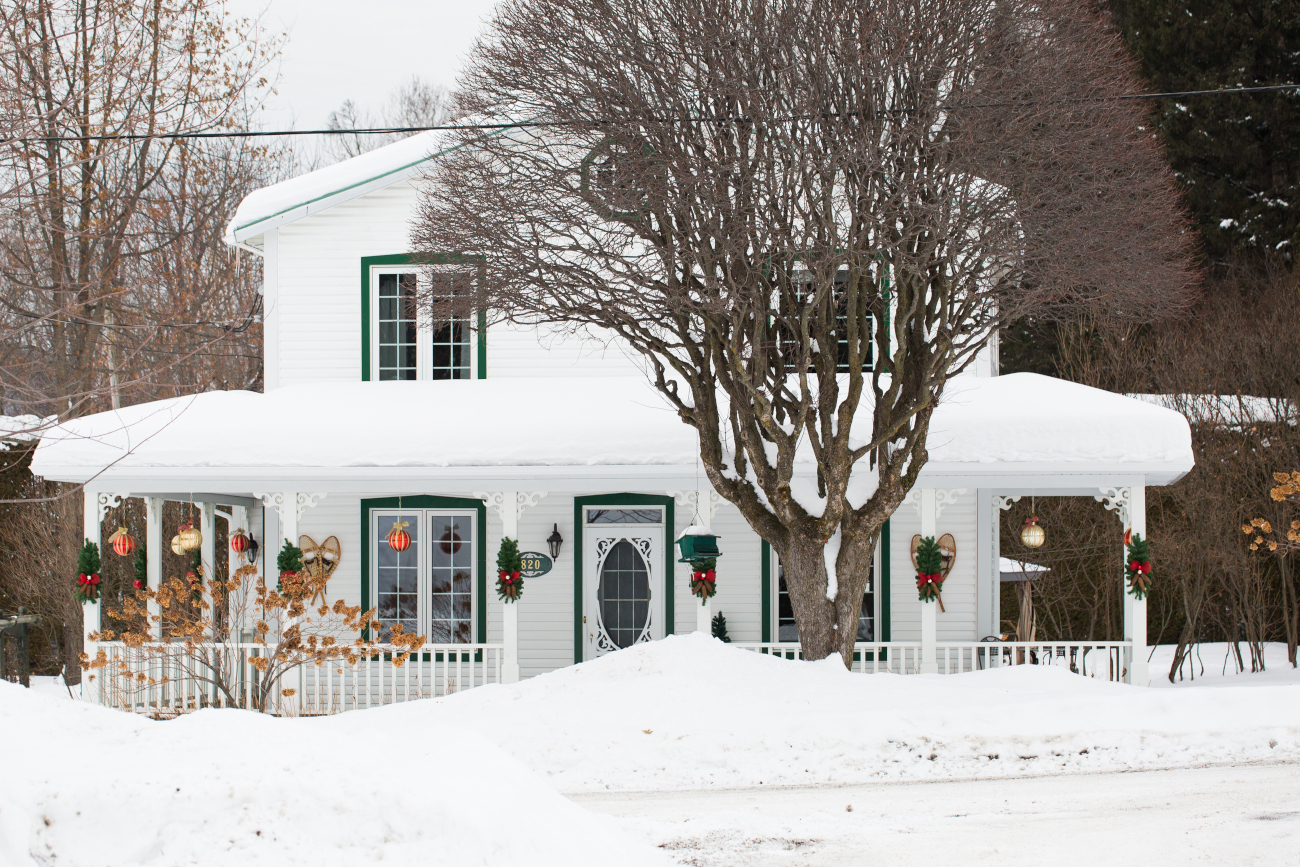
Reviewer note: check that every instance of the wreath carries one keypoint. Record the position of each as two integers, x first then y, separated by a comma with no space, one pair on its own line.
929,572
510,585
1137,565
704,581
88,580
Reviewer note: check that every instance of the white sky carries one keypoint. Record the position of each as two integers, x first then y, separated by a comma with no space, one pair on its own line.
345,49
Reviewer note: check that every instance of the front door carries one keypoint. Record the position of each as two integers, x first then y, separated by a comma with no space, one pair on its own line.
623,583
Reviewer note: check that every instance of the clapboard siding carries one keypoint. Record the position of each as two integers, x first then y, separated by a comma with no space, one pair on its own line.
317,303
957,623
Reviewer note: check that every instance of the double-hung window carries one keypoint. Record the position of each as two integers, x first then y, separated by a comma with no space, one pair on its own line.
404,345
801,290
429,587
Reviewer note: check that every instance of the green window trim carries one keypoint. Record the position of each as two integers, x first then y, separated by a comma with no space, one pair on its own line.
368,262
670,577
430,502
884,622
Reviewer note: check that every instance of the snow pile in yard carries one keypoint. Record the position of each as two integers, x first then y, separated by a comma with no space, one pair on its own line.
1017,418
1212,664
90,786
690,712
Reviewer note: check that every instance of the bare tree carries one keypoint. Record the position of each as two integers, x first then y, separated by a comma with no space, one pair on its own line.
807,216
415,104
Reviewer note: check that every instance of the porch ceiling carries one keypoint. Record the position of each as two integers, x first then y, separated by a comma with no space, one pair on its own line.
1010,432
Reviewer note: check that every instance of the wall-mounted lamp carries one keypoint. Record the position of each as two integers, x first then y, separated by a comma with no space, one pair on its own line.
554,541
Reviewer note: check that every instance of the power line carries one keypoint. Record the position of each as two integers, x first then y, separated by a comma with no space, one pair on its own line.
538,124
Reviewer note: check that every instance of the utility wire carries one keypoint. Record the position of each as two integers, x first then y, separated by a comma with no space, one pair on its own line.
536,124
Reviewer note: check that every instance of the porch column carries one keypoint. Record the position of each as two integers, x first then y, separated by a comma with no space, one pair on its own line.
1135,610
704,508
90,611
289,513
208,557
153,542
510,610
929,610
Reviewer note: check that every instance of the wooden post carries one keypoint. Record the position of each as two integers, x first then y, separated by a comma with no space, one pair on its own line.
153,540
704,612
90,611
1135,610
510,610
929,610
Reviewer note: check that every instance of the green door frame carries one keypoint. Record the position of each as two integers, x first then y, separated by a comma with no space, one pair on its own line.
668,504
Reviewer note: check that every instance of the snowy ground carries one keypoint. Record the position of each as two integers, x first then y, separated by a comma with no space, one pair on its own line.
710,754
1213,664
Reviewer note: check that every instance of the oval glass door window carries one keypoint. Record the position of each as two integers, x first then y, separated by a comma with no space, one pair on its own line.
624,595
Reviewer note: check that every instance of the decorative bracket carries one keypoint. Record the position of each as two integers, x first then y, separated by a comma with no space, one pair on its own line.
1116,500
942,497
497,500
301,502
104,502
691,500
1004,503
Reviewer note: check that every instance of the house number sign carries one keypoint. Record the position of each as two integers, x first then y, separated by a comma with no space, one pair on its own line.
533,564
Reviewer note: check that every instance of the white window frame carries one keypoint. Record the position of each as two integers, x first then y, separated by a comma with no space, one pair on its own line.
380,517
423,331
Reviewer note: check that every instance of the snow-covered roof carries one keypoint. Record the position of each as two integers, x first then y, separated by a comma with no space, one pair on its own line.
574,426
21,429
1017,570
1228,410
278,204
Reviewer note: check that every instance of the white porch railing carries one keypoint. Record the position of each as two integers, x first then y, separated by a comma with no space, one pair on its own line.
1101,659
168,679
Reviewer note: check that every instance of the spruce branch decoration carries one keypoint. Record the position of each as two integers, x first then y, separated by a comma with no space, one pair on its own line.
510,584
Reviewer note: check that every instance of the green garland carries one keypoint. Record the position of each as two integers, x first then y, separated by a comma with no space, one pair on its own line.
1137,566
88,580
195,576
704,580
141,581
510,585
929,571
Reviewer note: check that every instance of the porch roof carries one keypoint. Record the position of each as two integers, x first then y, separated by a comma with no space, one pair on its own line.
1009,432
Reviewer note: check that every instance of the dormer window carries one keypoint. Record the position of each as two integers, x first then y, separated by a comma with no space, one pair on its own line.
401,343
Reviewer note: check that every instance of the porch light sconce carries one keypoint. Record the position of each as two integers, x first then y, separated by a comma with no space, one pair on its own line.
554,541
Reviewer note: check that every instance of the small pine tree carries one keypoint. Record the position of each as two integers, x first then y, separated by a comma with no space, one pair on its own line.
720,628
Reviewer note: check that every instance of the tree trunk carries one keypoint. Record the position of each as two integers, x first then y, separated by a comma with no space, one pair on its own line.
828,626
1290,611
72,646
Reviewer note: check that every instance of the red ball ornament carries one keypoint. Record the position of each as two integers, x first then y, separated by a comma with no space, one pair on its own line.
398,539
122,543
240,543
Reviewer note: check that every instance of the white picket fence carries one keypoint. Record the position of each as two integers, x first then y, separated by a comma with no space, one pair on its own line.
168,679
1105,660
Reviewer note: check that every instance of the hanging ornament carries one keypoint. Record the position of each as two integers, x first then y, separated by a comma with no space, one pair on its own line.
704,580
1032,535
190,538
177,548
244,545
122,543
398,539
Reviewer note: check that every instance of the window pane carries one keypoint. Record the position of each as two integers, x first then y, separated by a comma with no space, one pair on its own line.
396,333
450,583
788,630
625,516
450,340
623,594
398,573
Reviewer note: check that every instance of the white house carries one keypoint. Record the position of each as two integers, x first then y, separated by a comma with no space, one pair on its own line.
470,433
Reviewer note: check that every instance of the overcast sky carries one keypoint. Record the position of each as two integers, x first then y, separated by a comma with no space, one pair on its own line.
344,49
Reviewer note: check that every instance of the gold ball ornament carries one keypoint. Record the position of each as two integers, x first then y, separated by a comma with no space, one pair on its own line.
177,548
1031,534
189,537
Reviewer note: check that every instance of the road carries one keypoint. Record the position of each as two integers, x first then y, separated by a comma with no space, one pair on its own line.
1242,815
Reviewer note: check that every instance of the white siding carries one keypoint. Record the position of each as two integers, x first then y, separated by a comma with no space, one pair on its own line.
314,301
957,623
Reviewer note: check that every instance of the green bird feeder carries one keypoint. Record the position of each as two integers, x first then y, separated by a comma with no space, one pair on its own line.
697,544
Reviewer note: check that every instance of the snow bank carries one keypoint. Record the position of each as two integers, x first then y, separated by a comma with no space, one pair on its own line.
691,712
91,786
1016,418
1211,664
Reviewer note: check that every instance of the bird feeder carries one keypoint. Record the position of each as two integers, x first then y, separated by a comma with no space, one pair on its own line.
697,545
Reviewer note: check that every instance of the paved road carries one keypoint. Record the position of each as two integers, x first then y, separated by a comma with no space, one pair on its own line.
1245,815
